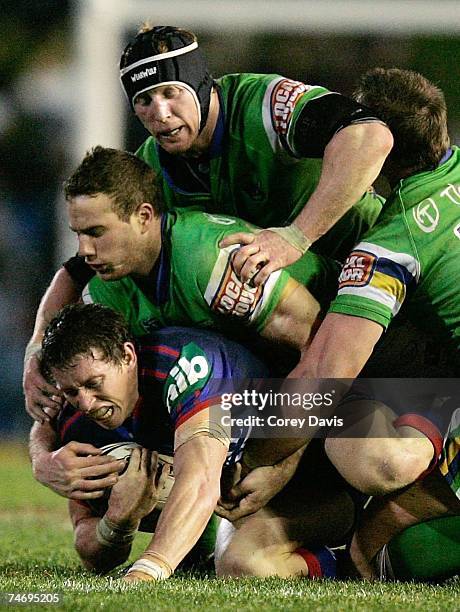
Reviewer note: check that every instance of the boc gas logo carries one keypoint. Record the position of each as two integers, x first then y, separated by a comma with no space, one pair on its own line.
426,215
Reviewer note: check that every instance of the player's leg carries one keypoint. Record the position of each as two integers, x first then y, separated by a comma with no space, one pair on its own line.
287,537
386,517
426,552
382,452
286,541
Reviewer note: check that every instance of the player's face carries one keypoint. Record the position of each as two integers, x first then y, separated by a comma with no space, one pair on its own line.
105,392
110,246
170,114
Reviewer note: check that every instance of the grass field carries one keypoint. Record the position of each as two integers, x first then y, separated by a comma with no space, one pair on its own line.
37,557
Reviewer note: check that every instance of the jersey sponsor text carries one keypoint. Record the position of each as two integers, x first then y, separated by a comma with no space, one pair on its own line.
285,96
358,269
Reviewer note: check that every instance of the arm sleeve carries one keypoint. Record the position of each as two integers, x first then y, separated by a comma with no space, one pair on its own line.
80,272
320,118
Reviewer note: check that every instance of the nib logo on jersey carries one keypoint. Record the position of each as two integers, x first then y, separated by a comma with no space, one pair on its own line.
188,375
358,269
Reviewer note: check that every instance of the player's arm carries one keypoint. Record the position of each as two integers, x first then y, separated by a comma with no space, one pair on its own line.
103,543
354,148
197,468
294,318
75,470
40,395
340,348
259,484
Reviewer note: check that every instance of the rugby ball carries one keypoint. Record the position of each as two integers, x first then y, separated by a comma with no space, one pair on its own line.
123,450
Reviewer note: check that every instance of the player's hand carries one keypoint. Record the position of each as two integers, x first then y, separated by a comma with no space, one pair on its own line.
260,254
136,492
77,471
253,492
43,401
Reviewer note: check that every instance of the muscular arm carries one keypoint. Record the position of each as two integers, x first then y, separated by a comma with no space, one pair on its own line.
352,161
294,317
340,348
133,497
197,468
94,557
38,392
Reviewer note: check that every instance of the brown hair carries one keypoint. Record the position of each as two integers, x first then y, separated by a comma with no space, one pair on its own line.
415,111
128,180
79,330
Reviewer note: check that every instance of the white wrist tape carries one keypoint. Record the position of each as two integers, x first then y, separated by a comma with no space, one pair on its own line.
155,570
293,236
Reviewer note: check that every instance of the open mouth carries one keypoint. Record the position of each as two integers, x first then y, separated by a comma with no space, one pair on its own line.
169,133
101,268
102,414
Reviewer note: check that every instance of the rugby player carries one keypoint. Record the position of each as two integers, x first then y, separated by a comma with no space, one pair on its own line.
256,146
159,393
262,147
164,268
410,257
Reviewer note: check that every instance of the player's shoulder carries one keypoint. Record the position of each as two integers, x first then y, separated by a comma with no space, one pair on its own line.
193,361
430,201
245,80
204,350
147,150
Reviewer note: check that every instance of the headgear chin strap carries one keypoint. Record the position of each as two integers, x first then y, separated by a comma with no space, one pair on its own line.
183,64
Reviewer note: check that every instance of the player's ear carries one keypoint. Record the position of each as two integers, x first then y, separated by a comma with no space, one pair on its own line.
130,357
145,214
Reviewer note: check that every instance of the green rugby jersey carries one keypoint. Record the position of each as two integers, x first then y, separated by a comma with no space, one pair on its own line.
253,171
193,282
412,253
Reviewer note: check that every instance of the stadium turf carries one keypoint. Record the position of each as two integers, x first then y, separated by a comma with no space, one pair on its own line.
37,557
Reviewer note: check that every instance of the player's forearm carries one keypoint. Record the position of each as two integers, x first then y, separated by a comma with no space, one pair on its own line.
189,507
340,348
294,318
284,453
95,556
42,441
187,512
61,291
351,163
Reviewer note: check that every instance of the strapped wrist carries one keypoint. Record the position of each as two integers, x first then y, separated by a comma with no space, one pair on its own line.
294,236
110,535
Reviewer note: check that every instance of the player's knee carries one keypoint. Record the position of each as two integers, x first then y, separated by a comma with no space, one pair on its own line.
239,563
380,466
404,462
